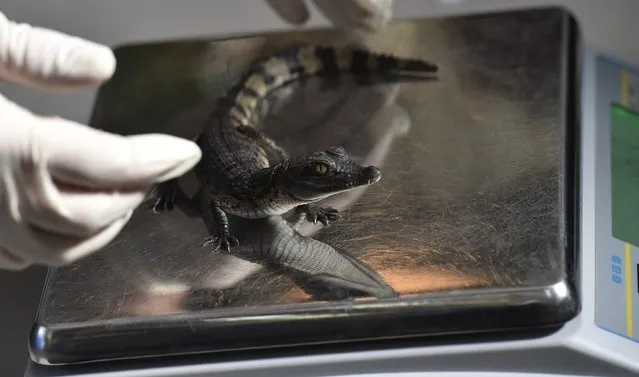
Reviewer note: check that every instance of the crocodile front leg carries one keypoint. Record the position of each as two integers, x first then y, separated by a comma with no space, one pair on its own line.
315,213
218,223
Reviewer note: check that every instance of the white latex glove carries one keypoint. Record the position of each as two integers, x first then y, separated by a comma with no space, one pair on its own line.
353,16
66,190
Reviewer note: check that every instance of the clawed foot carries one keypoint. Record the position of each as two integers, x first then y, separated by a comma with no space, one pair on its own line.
322,214
166,194
224,242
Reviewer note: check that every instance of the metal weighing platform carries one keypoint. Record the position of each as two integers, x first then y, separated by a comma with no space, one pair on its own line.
510,242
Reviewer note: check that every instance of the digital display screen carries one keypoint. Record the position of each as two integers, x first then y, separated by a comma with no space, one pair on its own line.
624,161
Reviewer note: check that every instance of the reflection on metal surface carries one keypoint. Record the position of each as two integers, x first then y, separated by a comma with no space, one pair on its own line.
465,222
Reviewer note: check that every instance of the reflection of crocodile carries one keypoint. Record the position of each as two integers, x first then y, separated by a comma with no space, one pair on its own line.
236,169
319,269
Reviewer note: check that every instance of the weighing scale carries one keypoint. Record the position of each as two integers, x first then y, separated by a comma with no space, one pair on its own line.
573,312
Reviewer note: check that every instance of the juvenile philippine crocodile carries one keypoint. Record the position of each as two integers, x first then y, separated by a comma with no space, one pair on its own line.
323,271
245,173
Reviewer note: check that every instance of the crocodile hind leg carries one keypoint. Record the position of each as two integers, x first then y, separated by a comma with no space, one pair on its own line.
263,141
168,195
164,195
218,224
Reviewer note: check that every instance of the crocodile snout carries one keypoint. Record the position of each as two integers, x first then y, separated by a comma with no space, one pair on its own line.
372,174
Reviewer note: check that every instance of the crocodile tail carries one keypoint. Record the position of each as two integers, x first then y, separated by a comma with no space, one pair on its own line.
358,61
293,63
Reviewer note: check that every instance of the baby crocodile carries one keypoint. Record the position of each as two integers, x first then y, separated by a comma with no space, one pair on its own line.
245,173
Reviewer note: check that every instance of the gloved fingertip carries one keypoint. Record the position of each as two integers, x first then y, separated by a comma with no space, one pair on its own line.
95,243
57,250
40,58
163,157
358,18
381,8
103,64
88,62
85,157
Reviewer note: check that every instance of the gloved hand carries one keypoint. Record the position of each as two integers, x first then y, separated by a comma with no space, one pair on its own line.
66,190
353,16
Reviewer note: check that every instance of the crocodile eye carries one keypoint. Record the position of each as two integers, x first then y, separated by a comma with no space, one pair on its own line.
320,168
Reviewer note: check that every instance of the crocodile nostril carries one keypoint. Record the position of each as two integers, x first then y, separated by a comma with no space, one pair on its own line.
372,173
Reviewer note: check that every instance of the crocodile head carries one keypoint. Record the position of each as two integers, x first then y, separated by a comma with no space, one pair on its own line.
317,175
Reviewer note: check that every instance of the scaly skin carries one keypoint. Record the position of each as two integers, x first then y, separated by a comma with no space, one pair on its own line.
317,268
244,173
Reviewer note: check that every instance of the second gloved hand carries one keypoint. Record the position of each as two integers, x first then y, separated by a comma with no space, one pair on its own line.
66,190
353,16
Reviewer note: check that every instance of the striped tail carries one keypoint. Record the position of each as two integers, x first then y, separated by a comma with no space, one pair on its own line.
297,62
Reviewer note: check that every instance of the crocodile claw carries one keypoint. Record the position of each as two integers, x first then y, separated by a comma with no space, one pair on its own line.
322,214
224,242
163,205
166,194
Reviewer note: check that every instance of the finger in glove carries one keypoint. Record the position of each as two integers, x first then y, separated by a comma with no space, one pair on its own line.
50,249
293,11
68,211
9,261
357,15
39,58
87,157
